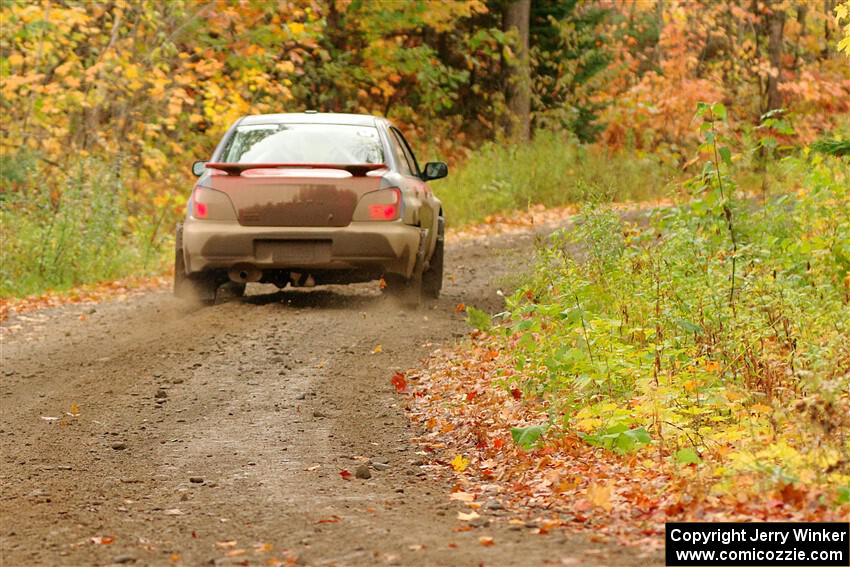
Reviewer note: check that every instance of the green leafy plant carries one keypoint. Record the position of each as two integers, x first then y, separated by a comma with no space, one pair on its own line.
478,319
687,456
619,438
528,437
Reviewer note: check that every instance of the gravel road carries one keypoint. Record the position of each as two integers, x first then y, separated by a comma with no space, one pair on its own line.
149,432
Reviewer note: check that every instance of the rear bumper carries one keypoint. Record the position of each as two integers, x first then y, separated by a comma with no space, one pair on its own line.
386,246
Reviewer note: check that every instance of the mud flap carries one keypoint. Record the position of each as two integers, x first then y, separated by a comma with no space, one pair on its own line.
419,266
413,293
191,287
432,277
409,290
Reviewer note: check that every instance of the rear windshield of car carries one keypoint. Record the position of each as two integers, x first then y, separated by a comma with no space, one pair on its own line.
304,143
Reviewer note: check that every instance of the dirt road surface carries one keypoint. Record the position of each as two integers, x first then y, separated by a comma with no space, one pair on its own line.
148,432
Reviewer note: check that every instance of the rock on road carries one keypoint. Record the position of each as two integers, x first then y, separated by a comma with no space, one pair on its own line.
146,432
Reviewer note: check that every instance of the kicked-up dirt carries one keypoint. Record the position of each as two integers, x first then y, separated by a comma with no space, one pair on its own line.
150,432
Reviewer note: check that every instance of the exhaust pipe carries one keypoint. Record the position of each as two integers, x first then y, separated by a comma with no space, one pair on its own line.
244,274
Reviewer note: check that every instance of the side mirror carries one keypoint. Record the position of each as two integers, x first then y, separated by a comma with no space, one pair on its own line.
435,170
198,168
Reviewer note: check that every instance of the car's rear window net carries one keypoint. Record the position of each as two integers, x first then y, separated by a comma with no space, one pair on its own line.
304,143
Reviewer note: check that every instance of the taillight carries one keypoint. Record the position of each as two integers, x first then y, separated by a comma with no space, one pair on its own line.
381,205
383,212
200,210
209,204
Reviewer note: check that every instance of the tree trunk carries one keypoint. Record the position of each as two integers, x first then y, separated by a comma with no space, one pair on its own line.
776,28
802,10
515,18
659,21
828,11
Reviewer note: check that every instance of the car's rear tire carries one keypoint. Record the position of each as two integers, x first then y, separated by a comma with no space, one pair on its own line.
191,287
432,278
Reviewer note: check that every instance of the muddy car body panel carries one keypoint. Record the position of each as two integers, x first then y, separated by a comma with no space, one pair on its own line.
339,197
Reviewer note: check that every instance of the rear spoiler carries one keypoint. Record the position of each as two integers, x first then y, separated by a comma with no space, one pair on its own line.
356,169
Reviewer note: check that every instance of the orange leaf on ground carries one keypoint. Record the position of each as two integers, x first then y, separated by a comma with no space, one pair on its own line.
486,541
399,382
345,474
600,495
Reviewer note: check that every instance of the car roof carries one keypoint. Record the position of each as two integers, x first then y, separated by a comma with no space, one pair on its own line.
310,118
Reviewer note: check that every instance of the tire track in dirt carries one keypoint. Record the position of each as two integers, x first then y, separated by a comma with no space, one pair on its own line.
217,435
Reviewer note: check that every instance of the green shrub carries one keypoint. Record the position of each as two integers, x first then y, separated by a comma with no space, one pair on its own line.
646,329
83,234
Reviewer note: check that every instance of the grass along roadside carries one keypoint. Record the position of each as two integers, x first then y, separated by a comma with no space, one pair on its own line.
632,376
551,170
60,230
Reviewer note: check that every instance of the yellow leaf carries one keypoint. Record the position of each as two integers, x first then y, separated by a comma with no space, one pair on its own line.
377,350
589,424
600,495
286,67
459,463
75,410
